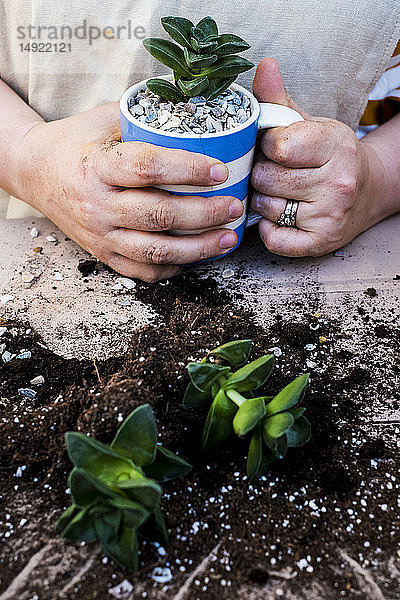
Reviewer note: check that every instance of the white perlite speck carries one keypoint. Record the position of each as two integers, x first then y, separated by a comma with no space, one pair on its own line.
277,351
6,298
34,232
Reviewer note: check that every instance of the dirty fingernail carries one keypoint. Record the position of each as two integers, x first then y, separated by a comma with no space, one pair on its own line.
228,241
235,209
219,172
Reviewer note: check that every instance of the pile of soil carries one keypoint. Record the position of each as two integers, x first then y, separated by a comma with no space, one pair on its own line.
323,497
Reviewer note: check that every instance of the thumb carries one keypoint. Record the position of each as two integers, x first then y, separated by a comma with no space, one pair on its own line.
268,86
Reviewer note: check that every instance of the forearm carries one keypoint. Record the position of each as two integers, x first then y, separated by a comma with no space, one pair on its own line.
16,119
384,167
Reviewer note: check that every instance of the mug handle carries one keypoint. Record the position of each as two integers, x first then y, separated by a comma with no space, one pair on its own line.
276,115
272,115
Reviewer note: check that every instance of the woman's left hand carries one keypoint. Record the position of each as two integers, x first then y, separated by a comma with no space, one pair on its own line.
319,162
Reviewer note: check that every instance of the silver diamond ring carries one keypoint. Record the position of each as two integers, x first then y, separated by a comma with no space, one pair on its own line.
288,217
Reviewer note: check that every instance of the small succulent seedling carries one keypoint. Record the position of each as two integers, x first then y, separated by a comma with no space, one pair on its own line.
274,422
205,63
115,488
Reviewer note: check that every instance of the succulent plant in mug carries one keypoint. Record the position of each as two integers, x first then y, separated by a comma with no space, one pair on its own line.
274,422
205,63
115,488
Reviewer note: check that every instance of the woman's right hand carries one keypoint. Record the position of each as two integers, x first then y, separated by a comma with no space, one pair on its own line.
98,190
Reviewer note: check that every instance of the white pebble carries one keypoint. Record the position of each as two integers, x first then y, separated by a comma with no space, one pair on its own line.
122,590
161,575
27,277
34,232
126,283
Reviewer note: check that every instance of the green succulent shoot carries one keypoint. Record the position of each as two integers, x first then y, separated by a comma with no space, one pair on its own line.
115,488
273,423
204,63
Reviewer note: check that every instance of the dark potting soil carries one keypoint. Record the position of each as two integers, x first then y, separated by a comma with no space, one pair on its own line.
321,498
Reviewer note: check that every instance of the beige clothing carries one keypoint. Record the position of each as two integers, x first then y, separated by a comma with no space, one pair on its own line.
326,67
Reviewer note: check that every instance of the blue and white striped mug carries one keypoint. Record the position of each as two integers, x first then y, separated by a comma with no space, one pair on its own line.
234,147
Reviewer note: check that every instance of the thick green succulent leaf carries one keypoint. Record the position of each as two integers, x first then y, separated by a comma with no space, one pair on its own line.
193,87
228,66
209,28
251,376
179,29
234,353
277,425
289,396
260,458
143,490
300,432
268,460
297,411
214,390
123,549
194,397
165,89
198,34
167,466
199,61
207,47
100,508
218,426
160,525
217,86
281,446
108,526
86,488
154,529
135,514
137,437
230,44
203,375
168,54
255,455
81,528
67,516
98,458
248,416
